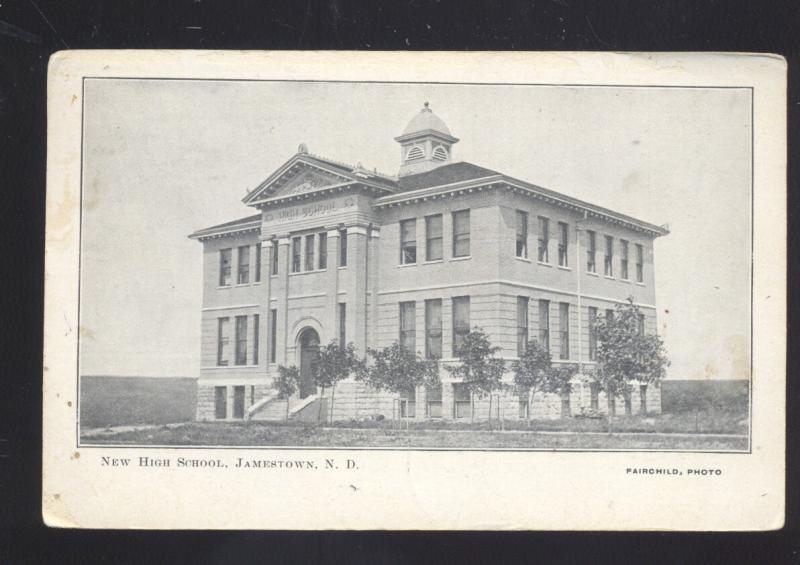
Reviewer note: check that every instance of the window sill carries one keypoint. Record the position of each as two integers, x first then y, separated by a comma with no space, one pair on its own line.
223,286
563,268
628,281
462,258
525,259
609,277
543,264
592,274
314,271
433,262
404,265
640,283
243,284
342,267
220,367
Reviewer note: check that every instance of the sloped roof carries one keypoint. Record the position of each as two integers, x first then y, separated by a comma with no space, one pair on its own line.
241,223
446,174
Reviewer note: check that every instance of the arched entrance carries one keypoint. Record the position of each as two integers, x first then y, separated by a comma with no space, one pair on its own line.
309,355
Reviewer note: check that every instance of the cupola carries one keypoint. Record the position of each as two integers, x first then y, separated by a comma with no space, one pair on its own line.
425,144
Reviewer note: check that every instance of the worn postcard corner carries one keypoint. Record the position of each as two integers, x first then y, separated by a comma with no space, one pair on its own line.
345,290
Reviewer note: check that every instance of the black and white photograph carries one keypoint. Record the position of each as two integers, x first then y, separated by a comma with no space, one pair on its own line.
479,291
415,265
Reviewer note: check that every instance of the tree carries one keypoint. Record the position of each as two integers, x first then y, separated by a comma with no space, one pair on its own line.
559,381
395,370
531,372
336,363
478,368
286,383
626,354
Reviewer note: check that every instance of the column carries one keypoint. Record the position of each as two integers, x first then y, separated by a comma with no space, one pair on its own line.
268,247
281,292
357,291
332,286
374,287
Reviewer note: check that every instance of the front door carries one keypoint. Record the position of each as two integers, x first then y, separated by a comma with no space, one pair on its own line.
309,355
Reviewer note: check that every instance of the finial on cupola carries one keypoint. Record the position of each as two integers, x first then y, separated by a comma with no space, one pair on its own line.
303,149
427,109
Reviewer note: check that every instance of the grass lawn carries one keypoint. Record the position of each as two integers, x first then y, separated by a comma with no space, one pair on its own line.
577,433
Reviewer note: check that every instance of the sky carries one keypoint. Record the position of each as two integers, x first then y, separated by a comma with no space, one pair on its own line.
165,158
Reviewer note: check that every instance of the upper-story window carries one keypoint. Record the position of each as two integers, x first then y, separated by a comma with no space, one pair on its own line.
623,259
296,258
522,234
222,341
258,262
241,340
563,244
591,251
433,237
323,251
440,154
408,242
461,233
544,323
433,328
274,257
544,239
224,267
310,239
608,260
522,325
639,263
243,270
460,321
408,327
343,247
415,153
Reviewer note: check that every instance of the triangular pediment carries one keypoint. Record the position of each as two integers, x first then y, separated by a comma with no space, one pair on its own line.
297,177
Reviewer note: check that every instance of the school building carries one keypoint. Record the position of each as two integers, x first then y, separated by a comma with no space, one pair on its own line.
340,252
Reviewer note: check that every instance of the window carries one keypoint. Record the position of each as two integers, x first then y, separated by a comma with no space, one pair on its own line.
323,251
639,263
258,262
274,258
640,324
415,153
408,242
433,238
408,403
296,242
522,324
310,239
608,261
256,330
238,402
224,267
609,315
544,323
252,395
343,247
592,333
241,340
222,341
273,334
563,244
408,322
461,401
220,402
433,398
591,251
461,233
544,239
243,270
433,328
342,324
522,234
460,321
563,329
623,259
523,409
440,154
